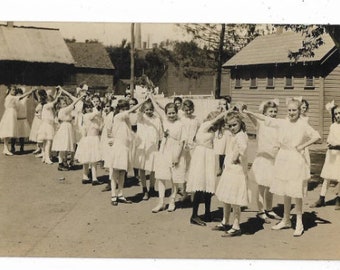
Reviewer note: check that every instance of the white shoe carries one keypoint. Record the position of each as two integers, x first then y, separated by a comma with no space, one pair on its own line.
39,155
282,225
36,151
159,207
171,206
48,161
299,230
7,153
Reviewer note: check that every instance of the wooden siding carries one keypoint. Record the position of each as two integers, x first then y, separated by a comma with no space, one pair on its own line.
332,91
254,96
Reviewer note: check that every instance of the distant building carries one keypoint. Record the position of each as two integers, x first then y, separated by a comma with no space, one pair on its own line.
262,70
92,66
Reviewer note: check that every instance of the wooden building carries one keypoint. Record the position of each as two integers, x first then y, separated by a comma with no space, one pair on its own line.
92,66
262,70
32,57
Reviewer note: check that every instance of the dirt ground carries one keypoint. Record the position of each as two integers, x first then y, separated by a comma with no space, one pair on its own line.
44,215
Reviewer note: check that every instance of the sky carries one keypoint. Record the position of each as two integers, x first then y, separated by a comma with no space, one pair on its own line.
113,33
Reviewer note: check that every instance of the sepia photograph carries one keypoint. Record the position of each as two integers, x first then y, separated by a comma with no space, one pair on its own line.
196,141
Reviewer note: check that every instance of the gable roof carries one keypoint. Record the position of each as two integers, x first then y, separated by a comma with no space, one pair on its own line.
274,49
33,45
90,55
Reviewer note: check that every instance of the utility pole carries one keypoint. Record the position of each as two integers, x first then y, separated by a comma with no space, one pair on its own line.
132,58
219,63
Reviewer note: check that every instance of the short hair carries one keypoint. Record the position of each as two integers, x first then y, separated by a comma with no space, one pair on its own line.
87,104
269,104
135,100
121,104
169,106
147,103
179,99
188,103
306,102
333,112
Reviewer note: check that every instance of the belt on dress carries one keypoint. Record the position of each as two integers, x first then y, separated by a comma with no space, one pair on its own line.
21,118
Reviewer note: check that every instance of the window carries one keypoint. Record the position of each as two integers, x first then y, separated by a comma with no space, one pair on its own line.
238,83
309,80
253,82
270,80
289,82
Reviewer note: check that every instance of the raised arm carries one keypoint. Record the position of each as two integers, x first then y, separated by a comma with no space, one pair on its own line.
66,93
255,115
158,109
26,94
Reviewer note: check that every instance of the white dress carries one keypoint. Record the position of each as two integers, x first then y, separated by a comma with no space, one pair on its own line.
88,150
171,150
204,162
331,167
35,124
78,122
64,139
233,185
220,141
104,139
23,125
47,128
148,136
119,157
8,123
262,170
191,126
291,167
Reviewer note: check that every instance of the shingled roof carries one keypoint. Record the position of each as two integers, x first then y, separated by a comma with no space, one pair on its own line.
90,55
275,48
33,45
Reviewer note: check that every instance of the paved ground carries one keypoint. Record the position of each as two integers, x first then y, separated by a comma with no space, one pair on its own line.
43,216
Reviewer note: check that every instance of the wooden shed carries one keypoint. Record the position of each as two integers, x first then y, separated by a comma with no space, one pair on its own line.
92,66
262,70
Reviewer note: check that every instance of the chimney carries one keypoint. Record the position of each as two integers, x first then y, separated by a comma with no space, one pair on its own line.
10,24
138,36
144,45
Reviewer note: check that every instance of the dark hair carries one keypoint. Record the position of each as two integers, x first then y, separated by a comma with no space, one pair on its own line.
235,115
135,100
306,102
108,102
333,112
188,103
179,99
19,91
218,124
269,104
121,104
9,89
87,104
147,103
42,96
169,106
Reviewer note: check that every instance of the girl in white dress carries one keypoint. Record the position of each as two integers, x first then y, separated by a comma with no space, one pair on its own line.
23,125
47,128
291,167
262,170
64,139
119,160
170,162
148,137
9,121
88,151
331,167
191,125
232,189
203,167
36,124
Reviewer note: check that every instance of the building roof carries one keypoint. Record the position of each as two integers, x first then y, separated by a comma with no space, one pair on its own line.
90,55
275,48
33,45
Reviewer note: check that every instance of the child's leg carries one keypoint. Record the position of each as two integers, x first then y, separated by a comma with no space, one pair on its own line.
13,142
94,174
174,189
299,225
337,199
161,194
114,174
226,213
285,222
143,182
6,147
194,217
260,195
121,179
207,204
236,216
22,144
48,145
85,174
152,191
321,201
41,150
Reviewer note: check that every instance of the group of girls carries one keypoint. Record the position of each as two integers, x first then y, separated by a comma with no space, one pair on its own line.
172,146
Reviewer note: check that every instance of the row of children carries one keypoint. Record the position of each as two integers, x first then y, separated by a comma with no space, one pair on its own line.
174,147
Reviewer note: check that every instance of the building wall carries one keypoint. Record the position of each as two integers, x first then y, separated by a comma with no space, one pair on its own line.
254,97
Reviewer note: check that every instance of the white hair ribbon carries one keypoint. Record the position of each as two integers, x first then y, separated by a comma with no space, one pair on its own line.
85,87
288,99
330,105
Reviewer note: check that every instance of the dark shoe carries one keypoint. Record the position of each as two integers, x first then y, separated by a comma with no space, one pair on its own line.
272,215
95,183
107,188
197,221
61,167
221,227
207,217
262,216
86,181
114,201
337,203
232,232
122,199
319,203
152,192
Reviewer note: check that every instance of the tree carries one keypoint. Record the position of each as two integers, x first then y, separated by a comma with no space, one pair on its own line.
222,41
